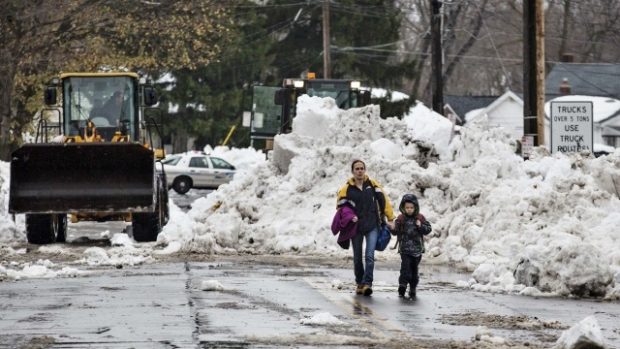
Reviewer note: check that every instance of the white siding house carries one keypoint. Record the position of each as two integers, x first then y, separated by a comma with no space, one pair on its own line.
507,112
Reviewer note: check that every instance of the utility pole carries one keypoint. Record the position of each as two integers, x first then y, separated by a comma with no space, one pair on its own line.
533,71
540,70
326,42
437,58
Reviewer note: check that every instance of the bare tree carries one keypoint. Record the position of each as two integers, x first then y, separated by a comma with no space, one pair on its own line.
482,40
40,38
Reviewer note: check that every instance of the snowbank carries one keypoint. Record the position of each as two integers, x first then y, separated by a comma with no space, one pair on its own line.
8,231
242,159
549,223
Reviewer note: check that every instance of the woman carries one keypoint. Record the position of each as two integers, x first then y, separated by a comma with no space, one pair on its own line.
367,198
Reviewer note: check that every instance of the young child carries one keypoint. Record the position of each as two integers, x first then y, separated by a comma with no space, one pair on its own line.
410,228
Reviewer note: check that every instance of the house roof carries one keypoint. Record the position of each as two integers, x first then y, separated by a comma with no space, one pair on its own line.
464,104
508,95
610,131
589,79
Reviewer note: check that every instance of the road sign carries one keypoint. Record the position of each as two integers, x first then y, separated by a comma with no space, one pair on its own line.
527,145
572,127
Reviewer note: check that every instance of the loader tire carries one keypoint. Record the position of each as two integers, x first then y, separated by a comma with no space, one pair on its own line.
146,226
45,228
61,235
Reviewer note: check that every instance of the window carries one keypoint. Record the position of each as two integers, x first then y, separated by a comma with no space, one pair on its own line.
108,101
221,164
172,161
199,161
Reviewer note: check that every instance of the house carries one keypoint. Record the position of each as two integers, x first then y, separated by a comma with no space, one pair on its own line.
586,79
456,107
506,111
596,83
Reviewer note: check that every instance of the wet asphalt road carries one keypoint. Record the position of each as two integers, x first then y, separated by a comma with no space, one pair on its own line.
162,305
262,303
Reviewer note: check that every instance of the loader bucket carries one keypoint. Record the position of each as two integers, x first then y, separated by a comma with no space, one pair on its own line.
83,177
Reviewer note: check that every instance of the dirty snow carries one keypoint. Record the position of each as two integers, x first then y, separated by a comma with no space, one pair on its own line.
584,334
38,270
211,285
483,334
115,256
321,319
548,225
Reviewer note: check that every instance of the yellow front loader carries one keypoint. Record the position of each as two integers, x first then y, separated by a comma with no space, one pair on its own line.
97,162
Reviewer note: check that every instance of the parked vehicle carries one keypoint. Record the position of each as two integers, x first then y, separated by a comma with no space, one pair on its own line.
196,170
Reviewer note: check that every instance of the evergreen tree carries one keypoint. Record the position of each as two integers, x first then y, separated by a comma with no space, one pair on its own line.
224,87
282,39
364,38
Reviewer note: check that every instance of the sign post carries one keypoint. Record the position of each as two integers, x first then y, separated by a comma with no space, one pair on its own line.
572,127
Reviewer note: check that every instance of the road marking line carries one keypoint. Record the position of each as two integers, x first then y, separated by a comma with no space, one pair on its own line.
377,326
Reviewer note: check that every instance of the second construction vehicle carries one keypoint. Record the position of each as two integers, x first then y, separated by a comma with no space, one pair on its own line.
96,162
273,108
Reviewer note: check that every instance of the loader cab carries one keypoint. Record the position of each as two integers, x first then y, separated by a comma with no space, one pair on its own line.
108,100
346,93
273,108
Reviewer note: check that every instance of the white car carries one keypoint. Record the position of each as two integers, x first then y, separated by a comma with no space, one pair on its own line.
196,170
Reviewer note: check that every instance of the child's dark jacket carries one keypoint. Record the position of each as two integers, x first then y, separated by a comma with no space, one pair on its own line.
410,236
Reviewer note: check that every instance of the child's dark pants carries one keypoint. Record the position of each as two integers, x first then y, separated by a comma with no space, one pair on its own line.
409,271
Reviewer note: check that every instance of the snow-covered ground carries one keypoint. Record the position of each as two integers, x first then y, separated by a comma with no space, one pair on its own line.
548,225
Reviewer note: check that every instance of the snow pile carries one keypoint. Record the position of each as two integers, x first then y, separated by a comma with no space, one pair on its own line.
38,270
241,158
548,223
426,125
585,334
211,285
321,319
122,240
338,284
178,234
395,96
8,231
483,334
116,256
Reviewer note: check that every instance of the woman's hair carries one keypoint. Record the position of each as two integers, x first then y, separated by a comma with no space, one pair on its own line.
355,162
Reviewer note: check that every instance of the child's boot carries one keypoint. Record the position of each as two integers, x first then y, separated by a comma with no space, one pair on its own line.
401,290
412,293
